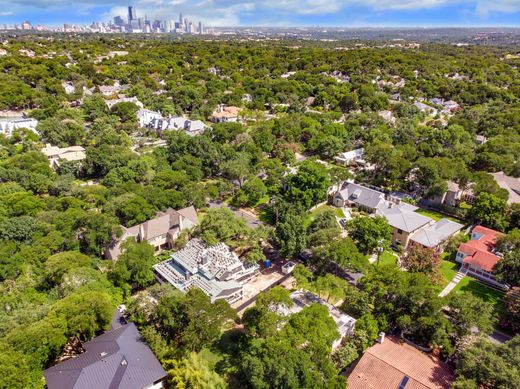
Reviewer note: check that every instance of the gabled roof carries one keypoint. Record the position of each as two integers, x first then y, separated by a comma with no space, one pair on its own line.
117,359
164,221
404,217
437,233
480,251
511,184
385,365
189,213
362,195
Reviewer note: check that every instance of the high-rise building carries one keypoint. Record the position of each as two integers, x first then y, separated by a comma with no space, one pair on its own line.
118,21
131,14
26,25
201,28
181,20
169,25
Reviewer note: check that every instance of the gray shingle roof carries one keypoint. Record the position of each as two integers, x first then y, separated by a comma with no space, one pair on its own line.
437,233
403,217
362,195
118,359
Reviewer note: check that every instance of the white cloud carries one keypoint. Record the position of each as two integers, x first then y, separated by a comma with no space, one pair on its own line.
230,12
485,7
210,12
6,13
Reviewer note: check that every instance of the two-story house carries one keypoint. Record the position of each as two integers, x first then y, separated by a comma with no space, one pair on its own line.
160,232
478,256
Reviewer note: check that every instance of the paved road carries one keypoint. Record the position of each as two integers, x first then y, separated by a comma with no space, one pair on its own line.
499,337
250,219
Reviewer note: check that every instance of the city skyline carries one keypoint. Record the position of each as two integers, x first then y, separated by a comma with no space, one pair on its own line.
339,13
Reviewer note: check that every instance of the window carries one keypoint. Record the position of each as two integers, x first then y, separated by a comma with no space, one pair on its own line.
403,383
399,231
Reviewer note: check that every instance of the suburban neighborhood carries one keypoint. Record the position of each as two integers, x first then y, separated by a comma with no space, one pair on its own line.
259,209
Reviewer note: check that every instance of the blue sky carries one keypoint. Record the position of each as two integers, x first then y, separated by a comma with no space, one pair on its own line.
341,13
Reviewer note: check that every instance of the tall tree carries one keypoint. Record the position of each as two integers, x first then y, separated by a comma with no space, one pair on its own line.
370,233
291,235
490,211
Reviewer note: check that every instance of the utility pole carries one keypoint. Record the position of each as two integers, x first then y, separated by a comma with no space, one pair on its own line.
379,250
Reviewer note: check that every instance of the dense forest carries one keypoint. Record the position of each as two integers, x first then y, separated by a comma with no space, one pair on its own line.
298,100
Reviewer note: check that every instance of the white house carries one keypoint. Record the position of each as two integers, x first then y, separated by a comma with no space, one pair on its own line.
145,117
135,100
8,125
351,157
191,127
109,90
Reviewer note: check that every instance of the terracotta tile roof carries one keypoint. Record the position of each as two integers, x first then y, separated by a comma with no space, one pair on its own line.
483,259
487,231
386,365
480,250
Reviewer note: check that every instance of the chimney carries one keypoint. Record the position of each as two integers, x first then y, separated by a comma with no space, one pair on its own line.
381,337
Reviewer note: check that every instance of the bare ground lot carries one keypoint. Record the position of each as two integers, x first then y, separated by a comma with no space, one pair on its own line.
266,279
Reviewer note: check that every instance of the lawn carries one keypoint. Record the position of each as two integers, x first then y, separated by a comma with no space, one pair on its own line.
470,285
263,200
493,296
310,216
435,215
387,258
448,270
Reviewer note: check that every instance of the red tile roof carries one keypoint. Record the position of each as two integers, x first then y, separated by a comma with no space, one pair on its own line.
385,365
480,250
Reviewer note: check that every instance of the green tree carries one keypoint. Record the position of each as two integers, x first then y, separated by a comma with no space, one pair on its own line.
490,211
511,316
238,168
369,233
191,320
59,264
252,191
96,231
134,265
469,313
126,111
368,324
291,235
342,252
221,225
309,185
356,302
85,313
491,365
345,355
18,229
194,372
131,209
507,269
